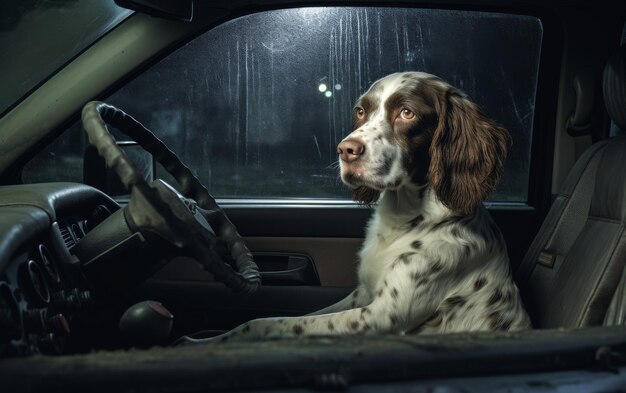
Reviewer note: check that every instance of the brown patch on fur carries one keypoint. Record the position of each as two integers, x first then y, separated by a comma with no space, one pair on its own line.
414,223
366,102
467,152
297,330
495,297
447,221
497,323
455,301
331,327
434,320
394,293
416,244
354,325
436,267
493,319
467,250
480,283
506,324
406,257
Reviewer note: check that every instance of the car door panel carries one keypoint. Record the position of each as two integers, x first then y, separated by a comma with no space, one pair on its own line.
200,302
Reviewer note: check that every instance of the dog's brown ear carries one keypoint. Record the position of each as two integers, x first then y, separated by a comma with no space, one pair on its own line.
467,153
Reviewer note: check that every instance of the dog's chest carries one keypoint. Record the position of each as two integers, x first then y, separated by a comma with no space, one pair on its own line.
383,244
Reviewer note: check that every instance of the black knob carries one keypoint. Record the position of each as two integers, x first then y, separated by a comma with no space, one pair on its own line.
146,324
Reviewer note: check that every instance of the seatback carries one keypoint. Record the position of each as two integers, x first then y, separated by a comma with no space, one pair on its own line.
573,273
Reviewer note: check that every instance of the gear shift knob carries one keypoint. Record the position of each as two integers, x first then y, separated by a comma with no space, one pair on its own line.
146,324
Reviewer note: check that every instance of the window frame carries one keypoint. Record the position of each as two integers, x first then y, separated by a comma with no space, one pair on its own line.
542,143
535,189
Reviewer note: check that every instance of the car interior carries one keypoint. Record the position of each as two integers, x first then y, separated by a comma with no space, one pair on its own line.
120,233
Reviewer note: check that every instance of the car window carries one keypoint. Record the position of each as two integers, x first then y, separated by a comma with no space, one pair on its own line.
256,106
41,36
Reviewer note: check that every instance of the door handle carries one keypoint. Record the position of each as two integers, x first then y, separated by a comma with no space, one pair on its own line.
286,269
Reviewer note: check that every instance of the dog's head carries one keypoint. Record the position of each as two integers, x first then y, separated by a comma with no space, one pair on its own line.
413,128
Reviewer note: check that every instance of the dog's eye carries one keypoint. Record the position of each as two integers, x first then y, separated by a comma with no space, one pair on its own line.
407,114
360,113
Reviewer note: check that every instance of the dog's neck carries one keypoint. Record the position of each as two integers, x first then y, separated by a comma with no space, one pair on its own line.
409,201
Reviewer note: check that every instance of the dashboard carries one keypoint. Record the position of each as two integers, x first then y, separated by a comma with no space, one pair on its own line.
42,288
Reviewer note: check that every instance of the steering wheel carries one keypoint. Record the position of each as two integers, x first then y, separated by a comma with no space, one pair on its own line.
192,222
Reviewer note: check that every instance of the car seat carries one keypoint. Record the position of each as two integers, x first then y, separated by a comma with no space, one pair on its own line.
573,273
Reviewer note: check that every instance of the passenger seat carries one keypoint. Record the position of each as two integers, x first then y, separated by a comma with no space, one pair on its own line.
573,273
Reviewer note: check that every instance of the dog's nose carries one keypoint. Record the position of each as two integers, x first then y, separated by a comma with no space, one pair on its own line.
350,150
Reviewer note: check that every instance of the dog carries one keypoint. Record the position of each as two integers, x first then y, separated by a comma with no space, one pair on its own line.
433,261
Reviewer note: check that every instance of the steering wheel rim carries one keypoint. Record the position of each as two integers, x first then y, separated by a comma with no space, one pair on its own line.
245,276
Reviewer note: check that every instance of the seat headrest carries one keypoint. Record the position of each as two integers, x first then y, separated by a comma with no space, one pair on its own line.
614,87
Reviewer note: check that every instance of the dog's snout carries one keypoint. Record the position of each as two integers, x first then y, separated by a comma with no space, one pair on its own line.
350,150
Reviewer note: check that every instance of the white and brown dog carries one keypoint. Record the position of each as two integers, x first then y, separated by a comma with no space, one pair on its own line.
433,260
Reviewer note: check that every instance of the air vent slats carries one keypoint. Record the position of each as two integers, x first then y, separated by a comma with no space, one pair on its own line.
68,238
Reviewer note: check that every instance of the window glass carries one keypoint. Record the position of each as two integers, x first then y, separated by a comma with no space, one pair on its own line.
40,36
257,105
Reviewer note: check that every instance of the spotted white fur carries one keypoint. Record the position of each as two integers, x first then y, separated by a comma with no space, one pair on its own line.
423,267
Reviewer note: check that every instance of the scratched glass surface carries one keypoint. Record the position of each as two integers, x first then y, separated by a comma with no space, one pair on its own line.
257,106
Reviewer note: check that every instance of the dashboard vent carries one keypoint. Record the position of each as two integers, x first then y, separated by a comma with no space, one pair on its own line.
68,238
